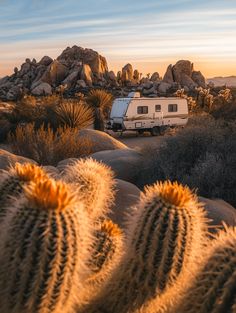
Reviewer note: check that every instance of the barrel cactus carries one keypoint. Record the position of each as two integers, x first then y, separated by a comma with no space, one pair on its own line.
166,234
214,286
105,254
12,182
44,249
95,184
106,251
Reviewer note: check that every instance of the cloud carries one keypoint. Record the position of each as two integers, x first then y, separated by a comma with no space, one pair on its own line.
136,30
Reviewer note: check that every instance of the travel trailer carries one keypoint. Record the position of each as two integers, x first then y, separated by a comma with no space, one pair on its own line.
147,114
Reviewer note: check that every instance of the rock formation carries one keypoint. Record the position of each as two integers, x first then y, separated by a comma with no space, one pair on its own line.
79,69
183,74
76,67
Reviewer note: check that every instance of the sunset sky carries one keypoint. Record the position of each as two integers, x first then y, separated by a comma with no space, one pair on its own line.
150,34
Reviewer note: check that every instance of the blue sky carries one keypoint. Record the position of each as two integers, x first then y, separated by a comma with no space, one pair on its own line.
149,34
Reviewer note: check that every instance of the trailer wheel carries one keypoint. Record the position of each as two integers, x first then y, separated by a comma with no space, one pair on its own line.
140,131
155,131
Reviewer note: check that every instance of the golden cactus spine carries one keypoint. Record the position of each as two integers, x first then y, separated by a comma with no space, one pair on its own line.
166,234
43,251
12,182
214,286
95,184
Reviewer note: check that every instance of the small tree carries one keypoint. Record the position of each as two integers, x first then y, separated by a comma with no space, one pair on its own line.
180,93
204,98
101,102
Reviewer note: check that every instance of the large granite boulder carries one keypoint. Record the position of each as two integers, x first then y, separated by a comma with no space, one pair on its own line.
87,75
127,195
199,79
97,63
43,89
164,87
136,75
168,77
127,73
155,77
55,73
126,163
46,60
187,81
8,159
71,79
219,213
182,67
100,141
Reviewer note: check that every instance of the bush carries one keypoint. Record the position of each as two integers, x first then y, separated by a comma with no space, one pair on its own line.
26,111
101,102
203,155
46,146
225,111
74,114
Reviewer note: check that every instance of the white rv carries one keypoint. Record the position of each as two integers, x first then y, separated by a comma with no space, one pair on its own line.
147,114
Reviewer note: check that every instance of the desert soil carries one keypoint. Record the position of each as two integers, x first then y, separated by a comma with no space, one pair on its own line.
137,142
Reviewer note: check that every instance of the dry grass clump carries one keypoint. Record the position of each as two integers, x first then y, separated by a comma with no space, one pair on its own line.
74,114
46,146
26,110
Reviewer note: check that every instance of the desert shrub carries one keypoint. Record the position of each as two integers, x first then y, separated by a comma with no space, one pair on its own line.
203,155
26,110
74,114
101,102
46,146
226,111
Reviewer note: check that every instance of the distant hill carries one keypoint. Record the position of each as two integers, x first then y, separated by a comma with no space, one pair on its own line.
229,81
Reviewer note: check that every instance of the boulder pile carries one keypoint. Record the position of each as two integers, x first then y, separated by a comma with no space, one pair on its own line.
79,69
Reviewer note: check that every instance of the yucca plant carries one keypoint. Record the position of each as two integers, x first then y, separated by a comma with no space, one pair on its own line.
101,101
74,114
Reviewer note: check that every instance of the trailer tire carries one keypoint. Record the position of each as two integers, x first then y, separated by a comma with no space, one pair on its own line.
140,131
155,131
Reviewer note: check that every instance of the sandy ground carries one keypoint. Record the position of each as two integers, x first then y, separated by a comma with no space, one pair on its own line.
134,141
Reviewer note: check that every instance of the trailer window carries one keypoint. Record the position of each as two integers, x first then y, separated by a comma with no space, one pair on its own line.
158,108
172,108
142,109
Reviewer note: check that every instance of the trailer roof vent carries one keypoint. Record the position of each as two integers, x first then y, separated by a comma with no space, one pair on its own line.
134,94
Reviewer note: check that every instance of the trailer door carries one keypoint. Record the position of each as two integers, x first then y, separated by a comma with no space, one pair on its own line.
158,114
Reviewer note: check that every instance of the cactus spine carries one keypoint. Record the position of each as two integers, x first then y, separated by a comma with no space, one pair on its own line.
43,251
214,287
166,234
12,182
95,185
